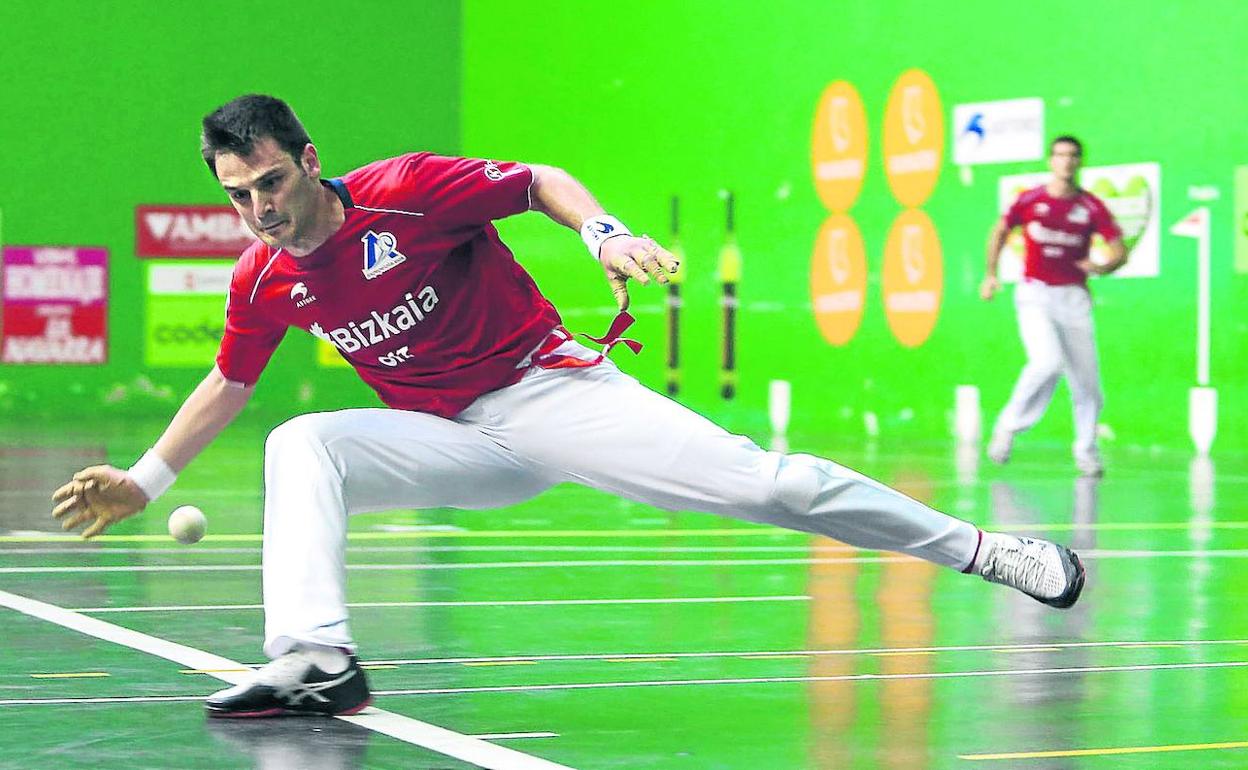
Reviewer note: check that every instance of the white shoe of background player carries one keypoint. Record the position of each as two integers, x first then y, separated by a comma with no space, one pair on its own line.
999,447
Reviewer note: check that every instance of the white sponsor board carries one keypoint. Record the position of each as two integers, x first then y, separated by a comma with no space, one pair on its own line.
190,279
998,132
1131,191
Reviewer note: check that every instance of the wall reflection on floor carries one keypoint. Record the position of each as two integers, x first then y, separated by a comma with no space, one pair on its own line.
899,738
1049,703
309,743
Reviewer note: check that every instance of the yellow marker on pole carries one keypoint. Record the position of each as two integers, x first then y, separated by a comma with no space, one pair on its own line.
729,277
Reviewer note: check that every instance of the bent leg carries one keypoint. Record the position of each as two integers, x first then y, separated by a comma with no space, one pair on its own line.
318,468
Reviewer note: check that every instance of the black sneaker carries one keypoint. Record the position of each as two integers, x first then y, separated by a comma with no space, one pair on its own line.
292,684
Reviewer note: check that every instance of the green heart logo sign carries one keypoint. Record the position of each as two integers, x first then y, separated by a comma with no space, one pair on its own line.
1132,206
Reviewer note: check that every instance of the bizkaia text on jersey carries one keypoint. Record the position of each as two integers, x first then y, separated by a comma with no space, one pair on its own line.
379,327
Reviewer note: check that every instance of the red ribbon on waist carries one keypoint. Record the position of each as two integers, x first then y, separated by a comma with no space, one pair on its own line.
546,358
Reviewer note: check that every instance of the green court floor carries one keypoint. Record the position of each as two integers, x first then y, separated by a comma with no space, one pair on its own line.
581,631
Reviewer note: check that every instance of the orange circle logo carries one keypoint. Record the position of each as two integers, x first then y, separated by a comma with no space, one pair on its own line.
914,138
838,146
838,279
913,277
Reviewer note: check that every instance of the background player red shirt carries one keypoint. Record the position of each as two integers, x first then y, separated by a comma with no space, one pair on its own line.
1058,231
415,290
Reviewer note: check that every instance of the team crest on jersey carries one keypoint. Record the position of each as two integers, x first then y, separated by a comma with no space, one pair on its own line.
1079,215
492,171
380,253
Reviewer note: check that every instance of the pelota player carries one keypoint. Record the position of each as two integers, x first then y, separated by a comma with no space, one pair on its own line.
1053,302
398,265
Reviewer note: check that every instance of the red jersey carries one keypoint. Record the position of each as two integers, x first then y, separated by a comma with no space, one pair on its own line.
415,290
1058,231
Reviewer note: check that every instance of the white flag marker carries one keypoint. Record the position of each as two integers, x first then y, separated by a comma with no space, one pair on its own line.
1202,400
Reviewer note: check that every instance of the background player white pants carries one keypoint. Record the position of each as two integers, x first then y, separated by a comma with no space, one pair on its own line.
594,426
1055,323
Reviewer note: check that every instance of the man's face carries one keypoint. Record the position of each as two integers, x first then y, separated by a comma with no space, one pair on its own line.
1064,160
274,195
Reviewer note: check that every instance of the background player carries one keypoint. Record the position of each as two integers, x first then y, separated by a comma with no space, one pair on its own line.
397,265
1053,302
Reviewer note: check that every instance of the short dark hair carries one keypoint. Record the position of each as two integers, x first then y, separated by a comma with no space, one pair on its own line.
1066,139
236,126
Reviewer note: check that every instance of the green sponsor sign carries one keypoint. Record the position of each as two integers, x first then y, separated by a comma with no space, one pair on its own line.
185,313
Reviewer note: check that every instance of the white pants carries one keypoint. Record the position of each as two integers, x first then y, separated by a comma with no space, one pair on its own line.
595,426
1055,323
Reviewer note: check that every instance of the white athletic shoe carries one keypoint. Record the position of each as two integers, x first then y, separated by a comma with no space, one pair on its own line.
1047,572
999,447
1089,464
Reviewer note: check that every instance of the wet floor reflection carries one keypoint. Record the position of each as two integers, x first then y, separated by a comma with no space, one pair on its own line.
1045,710
1201,477
903,599
309,743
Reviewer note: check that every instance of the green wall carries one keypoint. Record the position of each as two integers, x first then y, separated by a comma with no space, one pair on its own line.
100,104
655,99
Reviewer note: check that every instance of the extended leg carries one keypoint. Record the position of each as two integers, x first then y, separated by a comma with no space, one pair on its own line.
602,428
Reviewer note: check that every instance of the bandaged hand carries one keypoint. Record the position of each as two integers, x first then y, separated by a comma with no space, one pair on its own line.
98,497
639,258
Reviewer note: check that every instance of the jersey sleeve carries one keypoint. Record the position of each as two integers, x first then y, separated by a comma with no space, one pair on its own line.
1103,221
1013,216
250,337
459,192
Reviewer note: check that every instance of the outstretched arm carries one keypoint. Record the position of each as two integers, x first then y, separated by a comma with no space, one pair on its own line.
102,495
622,255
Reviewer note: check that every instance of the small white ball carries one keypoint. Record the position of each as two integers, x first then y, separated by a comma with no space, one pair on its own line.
187,524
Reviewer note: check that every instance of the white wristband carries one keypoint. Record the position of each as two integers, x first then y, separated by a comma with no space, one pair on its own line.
152,474
597,229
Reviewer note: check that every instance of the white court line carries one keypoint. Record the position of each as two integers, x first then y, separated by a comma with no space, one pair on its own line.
503,603
432,737
103,699
690,682
88,549
39,536
814,653
1237,553
593,563
841,678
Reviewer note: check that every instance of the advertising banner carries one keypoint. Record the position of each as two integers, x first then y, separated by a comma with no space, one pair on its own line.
838,146
55,305
189,231
914,138
185,313
1005,131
